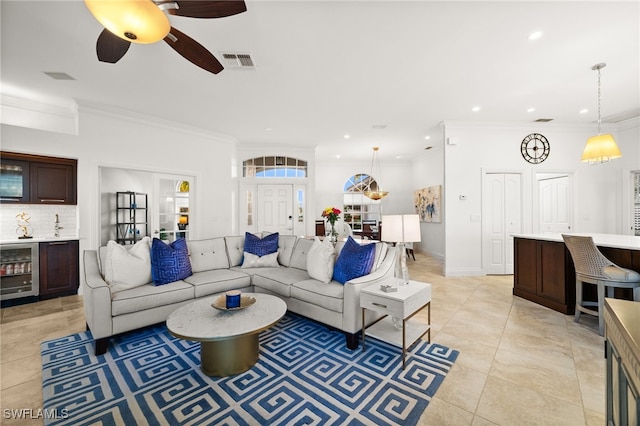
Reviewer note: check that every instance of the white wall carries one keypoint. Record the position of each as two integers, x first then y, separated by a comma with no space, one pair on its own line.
428,170
115,139
597,201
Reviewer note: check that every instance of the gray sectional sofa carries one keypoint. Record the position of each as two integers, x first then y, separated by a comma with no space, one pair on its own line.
216,264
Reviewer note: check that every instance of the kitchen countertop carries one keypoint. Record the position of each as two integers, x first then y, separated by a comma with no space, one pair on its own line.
37,240
629,242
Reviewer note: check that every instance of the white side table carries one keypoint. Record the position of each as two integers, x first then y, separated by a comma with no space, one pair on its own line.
402,304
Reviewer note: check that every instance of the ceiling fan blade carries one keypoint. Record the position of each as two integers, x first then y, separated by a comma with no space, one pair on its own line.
193,51
111,48
208,8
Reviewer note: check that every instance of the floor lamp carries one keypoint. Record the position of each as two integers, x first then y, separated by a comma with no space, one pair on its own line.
401,229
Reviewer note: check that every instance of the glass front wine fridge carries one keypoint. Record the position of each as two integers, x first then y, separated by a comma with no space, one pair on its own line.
19,271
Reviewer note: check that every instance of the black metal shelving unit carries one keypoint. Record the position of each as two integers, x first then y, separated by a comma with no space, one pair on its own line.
132,220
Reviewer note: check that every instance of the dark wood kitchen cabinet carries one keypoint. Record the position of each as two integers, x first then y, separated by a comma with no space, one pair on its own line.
36,179
544,273
59,268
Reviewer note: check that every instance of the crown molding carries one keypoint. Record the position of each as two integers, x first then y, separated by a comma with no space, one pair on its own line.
139,118
39,115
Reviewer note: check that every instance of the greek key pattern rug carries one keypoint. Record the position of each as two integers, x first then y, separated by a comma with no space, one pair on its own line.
305,375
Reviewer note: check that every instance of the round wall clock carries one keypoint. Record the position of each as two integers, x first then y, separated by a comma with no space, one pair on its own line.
535,148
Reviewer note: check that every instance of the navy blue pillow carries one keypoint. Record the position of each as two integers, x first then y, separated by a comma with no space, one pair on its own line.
169,262
354,261
260,246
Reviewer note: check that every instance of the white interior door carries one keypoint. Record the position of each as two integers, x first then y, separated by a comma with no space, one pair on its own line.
275,208
555,204
171,215
502,217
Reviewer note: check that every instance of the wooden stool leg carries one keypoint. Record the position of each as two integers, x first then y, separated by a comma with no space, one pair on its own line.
601,308
578,300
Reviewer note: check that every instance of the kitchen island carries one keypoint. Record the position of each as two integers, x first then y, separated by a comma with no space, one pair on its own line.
544,271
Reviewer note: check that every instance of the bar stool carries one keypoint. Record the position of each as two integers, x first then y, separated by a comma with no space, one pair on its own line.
592,267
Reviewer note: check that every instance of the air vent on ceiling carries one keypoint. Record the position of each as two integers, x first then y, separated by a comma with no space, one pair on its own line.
543,120
59,75
238,61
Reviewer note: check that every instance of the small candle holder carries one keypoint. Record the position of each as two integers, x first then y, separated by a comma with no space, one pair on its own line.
233,299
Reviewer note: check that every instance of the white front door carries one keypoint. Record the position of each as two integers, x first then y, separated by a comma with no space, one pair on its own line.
555,204
502,217
275,208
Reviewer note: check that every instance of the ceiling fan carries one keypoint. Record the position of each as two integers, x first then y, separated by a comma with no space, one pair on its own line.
145,21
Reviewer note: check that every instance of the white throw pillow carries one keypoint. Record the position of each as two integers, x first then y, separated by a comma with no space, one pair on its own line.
127,268
320,260
253,261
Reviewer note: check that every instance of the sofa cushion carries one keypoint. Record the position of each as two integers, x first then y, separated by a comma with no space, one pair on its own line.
354,261
217,281
327,295
169,262
205,255
235,249
279,280
253,261
299,255
286,244
261,246
127,267
320,260
150,296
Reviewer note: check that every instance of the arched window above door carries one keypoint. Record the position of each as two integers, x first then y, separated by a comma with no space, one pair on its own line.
274,166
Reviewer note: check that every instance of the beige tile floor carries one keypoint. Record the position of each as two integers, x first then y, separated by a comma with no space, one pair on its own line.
519,363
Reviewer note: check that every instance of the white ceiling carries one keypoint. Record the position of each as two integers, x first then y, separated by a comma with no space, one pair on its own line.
329,68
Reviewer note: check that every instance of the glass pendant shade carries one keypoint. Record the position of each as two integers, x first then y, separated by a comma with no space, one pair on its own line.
600,149
137,21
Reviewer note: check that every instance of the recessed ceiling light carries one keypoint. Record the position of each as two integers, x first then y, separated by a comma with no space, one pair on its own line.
268,129
531,109
535,35
427,137
475,109
338,156
398,157
584,111
347,136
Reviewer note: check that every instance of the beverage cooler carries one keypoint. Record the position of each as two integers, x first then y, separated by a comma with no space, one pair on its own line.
19,271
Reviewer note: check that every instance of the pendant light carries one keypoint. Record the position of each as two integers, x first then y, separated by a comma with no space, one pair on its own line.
137,21
600,148
371,191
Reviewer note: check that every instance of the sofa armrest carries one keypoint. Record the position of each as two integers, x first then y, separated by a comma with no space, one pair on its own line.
351,314
96,296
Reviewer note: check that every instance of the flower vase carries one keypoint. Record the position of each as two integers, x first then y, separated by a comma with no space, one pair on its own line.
333,236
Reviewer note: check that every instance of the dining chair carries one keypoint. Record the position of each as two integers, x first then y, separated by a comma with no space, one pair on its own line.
592,267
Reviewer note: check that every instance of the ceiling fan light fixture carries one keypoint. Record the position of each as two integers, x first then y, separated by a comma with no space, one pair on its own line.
137,21
600,148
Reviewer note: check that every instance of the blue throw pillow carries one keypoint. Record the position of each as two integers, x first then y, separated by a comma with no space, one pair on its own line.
169,262
260,246
354,261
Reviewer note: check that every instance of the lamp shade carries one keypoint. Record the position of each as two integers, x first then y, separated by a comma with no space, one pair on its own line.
138,21
401,228
600,148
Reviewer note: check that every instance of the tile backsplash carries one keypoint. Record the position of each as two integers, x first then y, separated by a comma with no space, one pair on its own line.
42,220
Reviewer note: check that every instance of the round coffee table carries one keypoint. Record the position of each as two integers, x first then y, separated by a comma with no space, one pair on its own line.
228,339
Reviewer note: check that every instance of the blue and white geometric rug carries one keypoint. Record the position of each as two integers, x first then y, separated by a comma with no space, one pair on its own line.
304,375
